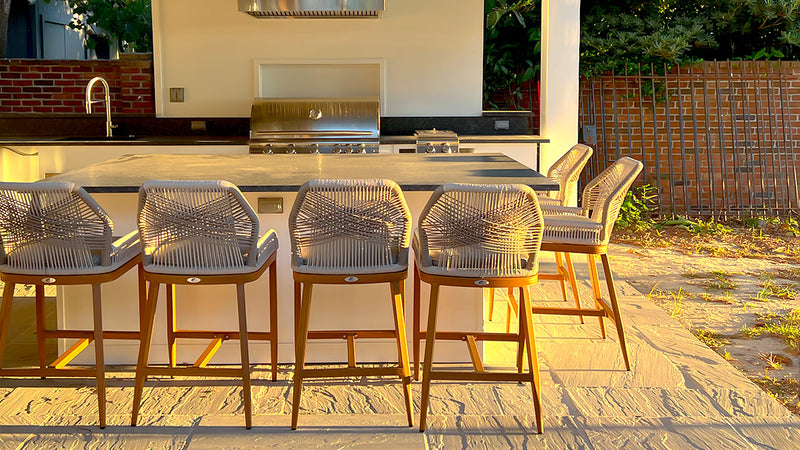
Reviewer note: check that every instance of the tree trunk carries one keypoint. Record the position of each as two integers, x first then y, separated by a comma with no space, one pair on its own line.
5,8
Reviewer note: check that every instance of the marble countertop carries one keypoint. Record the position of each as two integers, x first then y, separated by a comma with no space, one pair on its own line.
286,173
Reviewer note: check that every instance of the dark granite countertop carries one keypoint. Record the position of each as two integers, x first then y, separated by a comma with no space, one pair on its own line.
286,173
78,129
475,139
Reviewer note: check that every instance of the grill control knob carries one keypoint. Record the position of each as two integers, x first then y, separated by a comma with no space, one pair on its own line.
429,148
337,149
348,149
362,148
446,148
268,149
315,148
292,150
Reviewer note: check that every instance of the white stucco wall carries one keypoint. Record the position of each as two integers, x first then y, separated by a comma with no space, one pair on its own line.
431,53
559,78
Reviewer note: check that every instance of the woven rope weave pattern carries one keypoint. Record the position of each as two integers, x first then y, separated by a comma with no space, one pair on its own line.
593,223
196,227
566,171
53,228
349,226
480,231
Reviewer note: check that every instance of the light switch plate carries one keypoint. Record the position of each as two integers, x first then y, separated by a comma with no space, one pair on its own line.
176,95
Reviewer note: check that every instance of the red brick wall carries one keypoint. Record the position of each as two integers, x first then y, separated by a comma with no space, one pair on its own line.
718,138
529,101
58,86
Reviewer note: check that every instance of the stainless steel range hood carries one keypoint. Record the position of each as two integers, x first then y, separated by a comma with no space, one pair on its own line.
312,9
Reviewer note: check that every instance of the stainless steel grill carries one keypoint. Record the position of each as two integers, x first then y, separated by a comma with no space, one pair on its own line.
436,141
315,125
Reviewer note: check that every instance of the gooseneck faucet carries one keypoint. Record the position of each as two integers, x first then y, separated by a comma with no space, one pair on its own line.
106,101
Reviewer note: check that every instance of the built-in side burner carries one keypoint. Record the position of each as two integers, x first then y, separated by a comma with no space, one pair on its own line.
436,141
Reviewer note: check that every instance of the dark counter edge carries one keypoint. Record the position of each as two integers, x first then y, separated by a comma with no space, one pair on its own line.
209,140
286,188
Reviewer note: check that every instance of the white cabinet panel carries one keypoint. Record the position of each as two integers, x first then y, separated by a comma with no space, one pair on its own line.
526,153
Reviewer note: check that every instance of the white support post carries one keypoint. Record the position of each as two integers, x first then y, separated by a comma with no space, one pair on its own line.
559,78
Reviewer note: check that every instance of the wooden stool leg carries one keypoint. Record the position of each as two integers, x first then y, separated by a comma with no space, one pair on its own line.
172,326
5,317
402,347
144,350
562,272
511,308
142,300
612,293
596,290
245,350
533,358
99,361
273,319
490,291
416,335
300,341
521,338
40,328
430,337
296,312
573,284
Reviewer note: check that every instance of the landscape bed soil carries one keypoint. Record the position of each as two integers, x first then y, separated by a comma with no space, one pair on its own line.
737,289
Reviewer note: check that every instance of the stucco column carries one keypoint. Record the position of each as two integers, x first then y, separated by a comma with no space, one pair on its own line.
559,78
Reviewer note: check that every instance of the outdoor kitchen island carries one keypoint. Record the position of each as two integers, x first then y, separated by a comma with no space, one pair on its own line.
270,184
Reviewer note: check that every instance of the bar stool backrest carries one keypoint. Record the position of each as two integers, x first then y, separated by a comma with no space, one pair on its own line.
48,226
340,224
603,196
196,227
482,230
567,169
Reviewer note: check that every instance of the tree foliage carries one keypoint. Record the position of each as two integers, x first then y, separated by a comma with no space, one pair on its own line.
511,46
126,22
619,32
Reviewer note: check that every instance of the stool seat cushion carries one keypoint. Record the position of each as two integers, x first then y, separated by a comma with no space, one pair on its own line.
578,230
123,250
267,246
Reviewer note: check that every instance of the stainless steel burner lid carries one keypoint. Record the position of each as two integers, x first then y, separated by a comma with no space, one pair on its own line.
317,123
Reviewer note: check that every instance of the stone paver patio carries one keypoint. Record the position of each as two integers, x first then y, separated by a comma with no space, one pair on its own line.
679,394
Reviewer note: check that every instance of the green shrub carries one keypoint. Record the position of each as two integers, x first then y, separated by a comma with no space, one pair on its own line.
637,209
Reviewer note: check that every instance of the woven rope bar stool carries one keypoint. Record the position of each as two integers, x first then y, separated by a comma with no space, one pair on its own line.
587,230
481,236
55,234
349,232
201,233
566,171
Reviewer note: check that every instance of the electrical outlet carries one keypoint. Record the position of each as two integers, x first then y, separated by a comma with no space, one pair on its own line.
502,124
176,95
270,205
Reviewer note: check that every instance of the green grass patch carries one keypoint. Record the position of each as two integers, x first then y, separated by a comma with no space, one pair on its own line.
752,332
711,339
785,327
785,291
